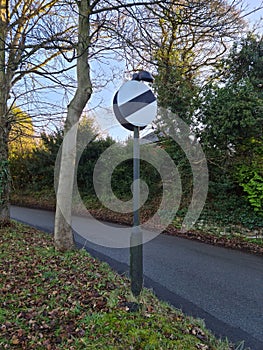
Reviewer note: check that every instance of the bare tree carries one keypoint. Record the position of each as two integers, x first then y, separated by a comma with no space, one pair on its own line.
32,37
135,30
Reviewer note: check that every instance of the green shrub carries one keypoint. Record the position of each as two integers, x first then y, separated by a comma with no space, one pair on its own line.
252,183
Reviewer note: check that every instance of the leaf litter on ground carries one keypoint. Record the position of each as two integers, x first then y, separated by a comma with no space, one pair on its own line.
52,300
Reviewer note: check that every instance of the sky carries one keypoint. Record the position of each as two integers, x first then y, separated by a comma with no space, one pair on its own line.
101,103
252,4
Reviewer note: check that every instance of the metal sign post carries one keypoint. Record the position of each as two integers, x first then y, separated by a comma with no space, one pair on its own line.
136,260
135,107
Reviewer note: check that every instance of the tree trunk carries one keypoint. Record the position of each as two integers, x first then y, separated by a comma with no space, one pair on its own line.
4,123
4,170
63,235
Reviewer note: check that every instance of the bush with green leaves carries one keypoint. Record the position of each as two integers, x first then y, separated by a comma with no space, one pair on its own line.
35,169
252,182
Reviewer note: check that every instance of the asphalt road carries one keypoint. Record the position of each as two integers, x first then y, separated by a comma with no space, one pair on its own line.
221,286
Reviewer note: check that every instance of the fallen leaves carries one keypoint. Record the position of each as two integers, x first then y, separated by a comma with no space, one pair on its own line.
50,300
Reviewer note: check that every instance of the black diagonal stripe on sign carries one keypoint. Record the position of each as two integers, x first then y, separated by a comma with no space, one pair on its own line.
137,103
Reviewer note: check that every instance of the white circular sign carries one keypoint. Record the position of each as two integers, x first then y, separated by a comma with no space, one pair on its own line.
135,105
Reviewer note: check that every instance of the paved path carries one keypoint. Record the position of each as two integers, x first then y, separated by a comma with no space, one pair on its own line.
221,286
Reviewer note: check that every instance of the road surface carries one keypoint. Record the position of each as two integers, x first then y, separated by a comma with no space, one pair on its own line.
223,287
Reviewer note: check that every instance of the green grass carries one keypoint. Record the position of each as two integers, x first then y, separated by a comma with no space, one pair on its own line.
50,300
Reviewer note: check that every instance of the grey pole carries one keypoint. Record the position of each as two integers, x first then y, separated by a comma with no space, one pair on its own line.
136,176
136,261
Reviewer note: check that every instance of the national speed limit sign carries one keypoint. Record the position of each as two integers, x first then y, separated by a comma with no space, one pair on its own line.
134,104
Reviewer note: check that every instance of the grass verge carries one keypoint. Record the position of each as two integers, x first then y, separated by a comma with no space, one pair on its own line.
50,300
